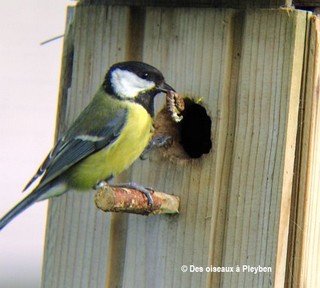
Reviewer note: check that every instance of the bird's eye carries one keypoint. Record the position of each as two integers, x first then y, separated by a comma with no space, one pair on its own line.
145,75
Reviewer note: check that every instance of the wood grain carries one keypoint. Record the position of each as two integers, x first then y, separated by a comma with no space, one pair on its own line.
197,3
304,240
76,241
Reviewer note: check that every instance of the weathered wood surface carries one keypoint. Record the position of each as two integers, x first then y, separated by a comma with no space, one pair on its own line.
197,3
235,201
303,268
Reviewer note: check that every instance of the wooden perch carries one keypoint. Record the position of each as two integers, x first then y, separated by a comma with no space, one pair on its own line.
120,199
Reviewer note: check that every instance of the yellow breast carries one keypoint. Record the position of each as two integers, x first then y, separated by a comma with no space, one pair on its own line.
119,155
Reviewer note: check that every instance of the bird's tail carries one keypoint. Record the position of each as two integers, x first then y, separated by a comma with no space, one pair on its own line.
23,205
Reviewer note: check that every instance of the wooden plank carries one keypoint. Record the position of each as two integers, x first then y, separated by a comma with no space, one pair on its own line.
195,3
172,38
77,234
304,240
260,187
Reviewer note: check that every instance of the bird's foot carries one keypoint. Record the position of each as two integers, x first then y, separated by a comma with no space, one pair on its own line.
157,142
133,185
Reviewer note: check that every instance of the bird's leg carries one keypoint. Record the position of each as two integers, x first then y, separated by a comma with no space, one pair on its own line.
103,183
135,186
156,142
100,185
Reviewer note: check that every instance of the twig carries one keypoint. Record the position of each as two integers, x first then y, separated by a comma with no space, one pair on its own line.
120,199
51,39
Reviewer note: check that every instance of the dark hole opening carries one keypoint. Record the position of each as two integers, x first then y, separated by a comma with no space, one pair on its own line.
195,130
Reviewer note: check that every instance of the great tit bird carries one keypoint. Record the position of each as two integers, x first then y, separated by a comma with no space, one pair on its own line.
105,139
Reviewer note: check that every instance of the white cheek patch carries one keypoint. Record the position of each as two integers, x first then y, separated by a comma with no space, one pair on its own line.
128,85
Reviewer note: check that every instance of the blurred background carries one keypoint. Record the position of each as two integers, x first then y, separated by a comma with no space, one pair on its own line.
29,82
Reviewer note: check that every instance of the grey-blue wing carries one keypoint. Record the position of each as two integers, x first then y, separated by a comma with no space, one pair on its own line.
71,149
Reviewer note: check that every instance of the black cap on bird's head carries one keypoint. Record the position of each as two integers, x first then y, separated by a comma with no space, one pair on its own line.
136,82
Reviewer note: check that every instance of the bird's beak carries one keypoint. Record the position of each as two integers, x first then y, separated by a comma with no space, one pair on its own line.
164,87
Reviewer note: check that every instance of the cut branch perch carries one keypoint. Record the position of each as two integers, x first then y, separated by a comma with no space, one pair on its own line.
127,200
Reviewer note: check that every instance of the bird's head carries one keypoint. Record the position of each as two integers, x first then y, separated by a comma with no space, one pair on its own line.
135,82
